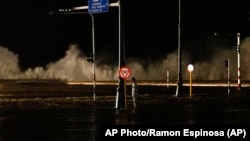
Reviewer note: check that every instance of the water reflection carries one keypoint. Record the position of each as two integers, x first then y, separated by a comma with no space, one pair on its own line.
127,116
79,118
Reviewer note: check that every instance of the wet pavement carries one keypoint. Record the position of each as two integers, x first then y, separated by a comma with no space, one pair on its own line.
61,113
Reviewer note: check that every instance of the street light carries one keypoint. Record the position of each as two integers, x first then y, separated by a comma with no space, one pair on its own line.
179,81
93,47
238,62
190,69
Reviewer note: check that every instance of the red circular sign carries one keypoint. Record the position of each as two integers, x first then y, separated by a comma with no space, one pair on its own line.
124,72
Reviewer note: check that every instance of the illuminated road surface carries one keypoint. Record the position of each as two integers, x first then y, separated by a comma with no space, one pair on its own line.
39,111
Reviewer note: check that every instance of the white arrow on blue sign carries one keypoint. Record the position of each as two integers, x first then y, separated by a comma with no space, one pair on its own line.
98,6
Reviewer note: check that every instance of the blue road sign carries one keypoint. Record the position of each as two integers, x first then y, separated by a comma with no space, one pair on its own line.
98,6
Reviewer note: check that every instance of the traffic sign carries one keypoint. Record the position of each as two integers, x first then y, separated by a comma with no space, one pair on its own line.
98,6
124,72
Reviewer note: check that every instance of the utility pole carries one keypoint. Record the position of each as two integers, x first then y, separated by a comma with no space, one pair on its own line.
167,76
238,61
179,92
227,64
121,93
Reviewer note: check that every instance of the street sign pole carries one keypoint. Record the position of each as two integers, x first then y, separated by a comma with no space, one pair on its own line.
120,99
121,92
93,50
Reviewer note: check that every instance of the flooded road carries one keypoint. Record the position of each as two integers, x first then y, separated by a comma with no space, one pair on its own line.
59,112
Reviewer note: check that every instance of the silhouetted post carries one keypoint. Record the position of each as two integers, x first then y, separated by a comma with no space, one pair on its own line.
228,76
167,76
179,92
93,51
238,61
121,103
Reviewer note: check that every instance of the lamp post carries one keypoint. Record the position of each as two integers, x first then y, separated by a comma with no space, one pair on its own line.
167,76
190,69
93,51
179,92
228,75
238,62
121,93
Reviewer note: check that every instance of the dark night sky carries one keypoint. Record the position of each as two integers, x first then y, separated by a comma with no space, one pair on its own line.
150,27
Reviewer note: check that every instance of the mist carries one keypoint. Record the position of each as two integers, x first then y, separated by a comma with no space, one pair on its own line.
75,67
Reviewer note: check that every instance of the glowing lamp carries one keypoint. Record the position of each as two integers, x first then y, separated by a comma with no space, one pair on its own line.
190,67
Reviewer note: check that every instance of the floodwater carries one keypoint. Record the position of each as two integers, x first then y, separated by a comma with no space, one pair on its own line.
60,112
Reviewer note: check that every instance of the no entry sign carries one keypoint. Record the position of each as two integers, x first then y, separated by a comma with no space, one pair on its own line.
124,72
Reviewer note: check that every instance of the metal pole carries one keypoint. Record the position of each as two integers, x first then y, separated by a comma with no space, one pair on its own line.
93,47
228,76
190,69
179,83
167,76
121,93
238,56
190,94
119,40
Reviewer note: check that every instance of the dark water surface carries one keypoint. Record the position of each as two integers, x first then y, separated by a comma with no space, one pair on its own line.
59,112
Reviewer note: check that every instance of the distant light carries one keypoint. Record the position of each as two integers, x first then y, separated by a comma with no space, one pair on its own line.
190,67
215,34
